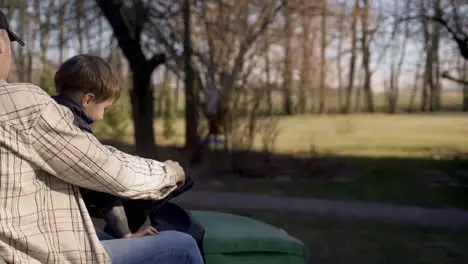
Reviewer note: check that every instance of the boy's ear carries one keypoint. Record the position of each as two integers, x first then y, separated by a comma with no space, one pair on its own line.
88,99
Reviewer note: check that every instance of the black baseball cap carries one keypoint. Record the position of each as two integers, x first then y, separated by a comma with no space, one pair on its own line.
4,25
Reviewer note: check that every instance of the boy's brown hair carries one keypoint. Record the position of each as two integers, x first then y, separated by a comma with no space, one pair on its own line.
88,74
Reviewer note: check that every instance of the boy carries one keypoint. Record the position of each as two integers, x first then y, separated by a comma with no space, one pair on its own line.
88,100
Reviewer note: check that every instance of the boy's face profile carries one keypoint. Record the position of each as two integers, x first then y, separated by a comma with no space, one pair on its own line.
93,108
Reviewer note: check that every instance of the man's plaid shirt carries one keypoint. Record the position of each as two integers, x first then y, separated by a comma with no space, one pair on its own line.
43,158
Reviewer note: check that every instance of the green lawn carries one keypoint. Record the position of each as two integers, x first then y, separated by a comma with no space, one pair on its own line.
415,135
404,135
332,241
344,241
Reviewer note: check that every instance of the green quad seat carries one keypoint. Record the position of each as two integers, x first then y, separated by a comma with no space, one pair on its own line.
234,239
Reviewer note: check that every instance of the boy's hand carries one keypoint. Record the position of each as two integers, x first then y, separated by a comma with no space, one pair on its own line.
149,231
180,174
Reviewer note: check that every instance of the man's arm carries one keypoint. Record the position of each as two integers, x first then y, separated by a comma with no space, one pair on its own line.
79,158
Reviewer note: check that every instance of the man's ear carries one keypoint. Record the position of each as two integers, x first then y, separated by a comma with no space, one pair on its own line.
87,100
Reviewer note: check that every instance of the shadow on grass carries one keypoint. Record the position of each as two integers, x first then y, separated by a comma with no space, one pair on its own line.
338,241
429,182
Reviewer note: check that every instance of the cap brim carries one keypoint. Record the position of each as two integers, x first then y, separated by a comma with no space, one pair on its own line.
14,37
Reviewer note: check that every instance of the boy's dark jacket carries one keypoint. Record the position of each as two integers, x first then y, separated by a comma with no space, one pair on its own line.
81,118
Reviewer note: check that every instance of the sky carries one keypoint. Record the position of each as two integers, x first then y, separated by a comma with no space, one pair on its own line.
380,45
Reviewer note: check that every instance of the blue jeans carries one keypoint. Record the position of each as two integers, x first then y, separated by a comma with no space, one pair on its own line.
169,247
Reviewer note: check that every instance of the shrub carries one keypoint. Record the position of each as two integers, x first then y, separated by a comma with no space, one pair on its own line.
116,122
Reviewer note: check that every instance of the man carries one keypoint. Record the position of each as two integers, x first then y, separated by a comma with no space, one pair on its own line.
44,157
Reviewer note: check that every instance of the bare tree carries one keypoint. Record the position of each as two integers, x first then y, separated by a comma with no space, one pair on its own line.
414,90
339,66
229,59
33,27
434,49
289,28
428,60
79,6
430,97
21,63
450,16
366,56
352,60
191,133
323,60
464,76
62,28
454,22
269,88
306,48
463,73
45,31
398,55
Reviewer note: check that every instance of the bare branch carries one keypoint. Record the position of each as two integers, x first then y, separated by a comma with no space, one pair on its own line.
447,76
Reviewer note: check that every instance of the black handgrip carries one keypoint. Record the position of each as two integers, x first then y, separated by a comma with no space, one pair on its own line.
188,184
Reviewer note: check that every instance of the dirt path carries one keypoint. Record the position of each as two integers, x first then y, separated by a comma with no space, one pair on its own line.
434,217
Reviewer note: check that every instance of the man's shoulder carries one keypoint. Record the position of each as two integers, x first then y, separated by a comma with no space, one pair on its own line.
22,88
22,99
28,92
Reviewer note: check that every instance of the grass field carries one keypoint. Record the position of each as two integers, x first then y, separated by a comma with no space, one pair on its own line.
374,135
403,135
339,241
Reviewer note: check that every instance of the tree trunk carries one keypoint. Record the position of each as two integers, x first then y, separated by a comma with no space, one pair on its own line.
142,112
288,65
428,69
415,88
32,44
61,24
305,67
323,60
159,102
191,122
101,37
464,76
269,87
398,54
177,95
20,61
352,62
435,100
142,94
392,91
357,99
339,58
44,44
79,26
366,58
